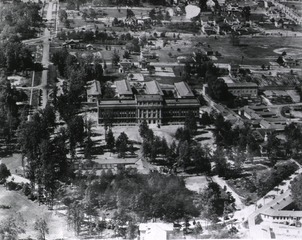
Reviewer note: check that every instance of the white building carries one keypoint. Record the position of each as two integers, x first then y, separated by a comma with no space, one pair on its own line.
155,231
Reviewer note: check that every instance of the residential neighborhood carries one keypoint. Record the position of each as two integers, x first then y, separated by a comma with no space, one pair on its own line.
154,119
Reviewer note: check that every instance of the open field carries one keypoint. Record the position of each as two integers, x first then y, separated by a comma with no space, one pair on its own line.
30,211
255,50
133,133
196,184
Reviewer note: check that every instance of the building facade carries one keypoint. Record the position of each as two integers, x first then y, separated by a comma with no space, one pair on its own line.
150,104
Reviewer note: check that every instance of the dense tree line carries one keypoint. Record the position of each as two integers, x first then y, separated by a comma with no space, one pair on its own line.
215,202
228,136
78,71
296,191
20,19
186,154
46,151
269,179
136,198
10,111
15,56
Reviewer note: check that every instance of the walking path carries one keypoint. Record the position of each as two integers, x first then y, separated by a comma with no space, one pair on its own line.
222,183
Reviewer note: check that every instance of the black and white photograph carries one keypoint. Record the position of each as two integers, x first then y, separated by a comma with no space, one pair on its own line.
150,119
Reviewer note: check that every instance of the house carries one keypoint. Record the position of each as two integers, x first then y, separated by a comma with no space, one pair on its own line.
72,44
235,69
125,65
89,47
93,91
152,231
136,77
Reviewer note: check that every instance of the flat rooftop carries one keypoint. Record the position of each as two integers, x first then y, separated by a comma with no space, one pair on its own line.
123,87
183,89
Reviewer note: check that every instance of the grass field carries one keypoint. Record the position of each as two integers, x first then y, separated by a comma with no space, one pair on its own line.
197,183
30,211
255,50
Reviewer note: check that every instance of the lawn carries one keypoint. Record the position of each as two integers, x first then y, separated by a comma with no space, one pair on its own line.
196,183
133,132
255,50
31,211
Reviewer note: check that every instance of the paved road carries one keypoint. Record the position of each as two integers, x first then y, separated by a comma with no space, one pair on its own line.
45,63
238,199
45,58
255,231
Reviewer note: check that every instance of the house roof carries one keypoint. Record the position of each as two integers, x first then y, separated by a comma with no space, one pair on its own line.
183,89
153,88
123,87
94,88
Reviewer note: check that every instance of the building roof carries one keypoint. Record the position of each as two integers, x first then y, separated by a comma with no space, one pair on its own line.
251,112
181,101
227,79
123,87
162,226
149,97
153,88
125,161
242,85
183,89
117,103
94,88
276,209
136,77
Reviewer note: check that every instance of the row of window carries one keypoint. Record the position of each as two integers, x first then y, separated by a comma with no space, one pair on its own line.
243,91
149,103
282,218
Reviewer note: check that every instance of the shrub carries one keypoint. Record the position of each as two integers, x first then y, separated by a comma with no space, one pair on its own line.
26,189
12,186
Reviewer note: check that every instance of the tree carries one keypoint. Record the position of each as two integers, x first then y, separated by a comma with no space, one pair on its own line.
75,216
280,60
76,132
59,59
12,226
110,141
143,129
126,55
221,165
205,119
62,15
218,89
246,12
42,228
296,190
121,144
4,172
201,161
190,123
167,16
115,58
152,14
184,153
130,13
